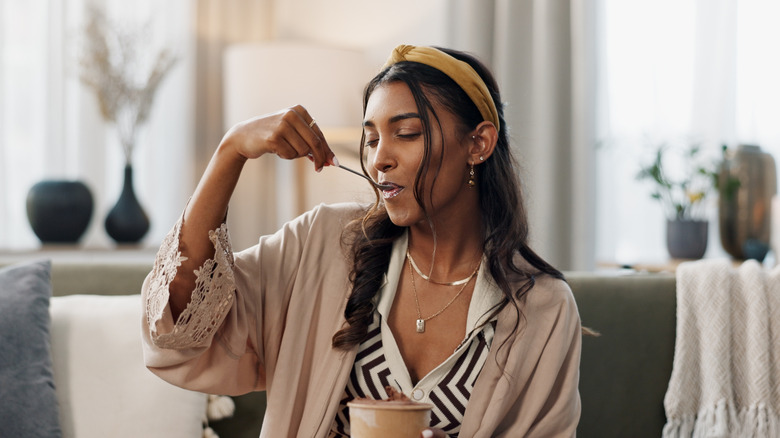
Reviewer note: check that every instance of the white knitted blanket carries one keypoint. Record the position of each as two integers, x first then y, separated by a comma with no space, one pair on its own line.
726,373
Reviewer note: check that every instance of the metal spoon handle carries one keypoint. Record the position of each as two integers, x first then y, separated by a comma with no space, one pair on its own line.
376,184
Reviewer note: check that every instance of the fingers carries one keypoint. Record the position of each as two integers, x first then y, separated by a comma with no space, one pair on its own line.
313,140
290,133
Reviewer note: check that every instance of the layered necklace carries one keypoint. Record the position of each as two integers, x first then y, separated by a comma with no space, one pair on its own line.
464,282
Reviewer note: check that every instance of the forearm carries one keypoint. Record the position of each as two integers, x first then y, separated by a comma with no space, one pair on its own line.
289,134
205,212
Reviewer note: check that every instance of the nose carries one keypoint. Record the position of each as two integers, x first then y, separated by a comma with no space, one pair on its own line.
383,156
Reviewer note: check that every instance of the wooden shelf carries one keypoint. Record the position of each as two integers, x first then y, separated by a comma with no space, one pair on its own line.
669,266
133,254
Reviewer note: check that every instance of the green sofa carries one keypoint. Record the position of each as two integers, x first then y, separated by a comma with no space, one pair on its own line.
624,371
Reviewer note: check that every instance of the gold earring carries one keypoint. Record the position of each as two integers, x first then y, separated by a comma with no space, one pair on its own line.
472,180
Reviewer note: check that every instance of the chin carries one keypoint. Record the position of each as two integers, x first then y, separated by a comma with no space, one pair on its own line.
399,220
404,217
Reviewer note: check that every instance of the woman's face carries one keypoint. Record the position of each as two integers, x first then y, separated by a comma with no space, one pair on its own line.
394,145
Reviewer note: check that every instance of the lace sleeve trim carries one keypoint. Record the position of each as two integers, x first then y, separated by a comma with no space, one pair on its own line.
211,299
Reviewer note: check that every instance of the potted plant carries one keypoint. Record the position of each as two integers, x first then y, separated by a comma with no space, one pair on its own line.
681,181
124,74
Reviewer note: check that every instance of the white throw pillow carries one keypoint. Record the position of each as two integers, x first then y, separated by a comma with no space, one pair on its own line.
103,387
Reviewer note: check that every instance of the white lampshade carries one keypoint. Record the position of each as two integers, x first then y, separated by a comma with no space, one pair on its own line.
267,77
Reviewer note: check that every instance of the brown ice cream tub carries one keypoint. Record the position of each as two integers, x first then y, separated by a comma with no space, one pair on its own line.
388,418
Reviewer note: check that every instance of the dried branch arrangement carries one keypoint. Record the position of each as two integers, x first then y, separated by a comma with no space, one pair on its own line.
117,65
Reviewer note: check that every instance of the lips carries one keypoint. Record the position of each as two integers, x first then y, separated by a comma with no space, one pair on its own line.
391,192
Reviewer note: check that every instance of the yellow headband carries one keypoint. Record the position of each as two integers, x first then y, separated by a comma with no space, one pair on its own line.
460,72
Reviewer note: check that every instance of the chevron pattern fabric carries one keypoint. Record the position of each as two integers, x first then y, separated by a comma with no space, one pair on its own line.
371,374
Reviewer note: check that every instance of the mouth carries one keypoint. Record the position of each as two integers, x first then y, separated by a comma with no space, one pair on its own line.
392,189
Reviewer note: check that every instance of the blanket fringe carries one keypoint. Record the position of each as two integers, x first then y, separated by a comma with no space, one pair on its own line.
723,421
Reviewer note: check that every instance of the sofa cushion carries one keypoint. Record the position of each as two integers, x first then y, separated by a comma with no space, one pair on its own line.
28,404
624,372
103,386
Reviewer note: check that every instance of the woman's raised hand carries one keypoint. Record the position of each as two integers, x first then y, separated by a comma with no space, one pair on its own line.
290,133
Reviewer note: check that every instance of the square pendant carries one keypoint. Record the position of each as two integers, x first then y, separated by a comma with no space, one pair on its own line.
420,326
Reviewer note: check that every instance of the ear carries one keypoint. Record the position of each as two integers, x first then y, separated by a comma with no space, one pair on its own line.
483,142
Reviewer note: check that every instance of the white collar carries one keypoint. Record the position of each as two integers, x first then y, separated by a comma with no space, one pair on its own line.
484,299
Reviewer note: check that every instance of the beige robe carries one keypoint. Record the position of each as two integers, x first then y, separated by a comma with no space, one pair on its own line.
263,319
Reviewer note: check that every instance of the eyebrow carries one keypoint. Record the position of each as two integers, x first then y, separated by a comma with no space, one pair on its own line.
394,119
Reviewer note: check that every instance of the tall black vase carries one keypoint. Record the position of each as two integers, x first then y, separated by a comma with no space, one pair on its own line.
127,222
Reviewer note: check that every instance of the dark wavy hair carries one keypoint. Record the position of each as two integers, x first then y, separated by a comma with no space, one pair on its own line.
370,239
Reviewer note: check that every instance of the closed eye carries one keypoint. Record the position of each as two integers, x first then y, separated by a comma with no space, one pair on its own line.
412,136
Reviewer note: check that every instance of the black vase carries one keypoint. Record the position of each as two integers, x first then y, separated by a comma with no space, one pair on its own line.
59,211
686,239
127,221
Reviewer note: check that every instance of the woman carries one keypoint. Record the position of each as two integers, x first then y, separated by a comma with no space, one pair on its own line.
432,292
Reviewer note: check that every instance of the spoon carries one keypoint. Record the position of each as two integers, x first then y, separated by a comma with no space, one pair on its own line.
376,184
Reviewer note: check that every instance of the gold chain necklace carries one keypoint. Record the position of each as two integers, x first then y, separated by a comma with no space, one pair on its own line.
420,320
428,278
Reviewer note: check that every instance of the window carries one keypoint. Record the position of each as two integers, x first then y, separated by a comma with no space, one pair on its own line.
50,126
678,71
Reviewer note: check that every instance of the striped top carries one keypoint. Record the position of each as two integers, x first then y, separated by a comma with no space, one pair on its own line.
447,387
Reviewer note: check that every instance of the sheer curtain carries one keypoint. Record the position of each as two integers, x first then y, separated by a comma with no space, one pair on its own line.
50,126
545,57
543,53
691,71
